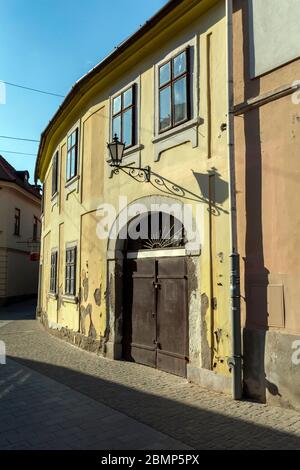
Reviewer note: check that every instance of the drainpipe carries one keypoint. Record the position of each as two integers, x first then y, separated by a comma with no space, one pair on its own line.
235,361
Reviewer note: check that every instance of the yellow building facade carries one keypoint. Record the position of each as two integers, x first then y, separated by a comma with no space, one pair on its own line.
83,279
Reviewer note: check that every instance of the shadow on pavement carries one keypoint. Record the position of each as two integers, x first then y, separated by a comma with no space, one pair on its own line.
196,427
23,310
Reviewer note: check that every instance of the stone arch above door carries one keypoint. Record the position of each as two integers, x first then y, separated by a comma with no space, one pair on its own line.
115,255
115,246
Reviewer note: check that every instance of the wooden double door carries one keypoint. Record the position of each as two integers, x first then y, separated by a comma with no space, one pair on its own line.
155,323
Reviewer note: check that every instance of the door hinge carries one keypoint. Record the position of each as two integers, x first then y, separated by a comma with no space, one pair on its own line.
214,303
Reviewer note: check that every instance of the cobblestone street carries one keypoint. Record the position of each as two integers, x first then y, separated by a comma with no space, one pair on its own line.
56,396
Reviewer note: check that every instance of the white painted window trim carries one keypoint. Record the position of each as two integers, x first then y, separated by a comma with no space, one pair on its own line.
132,154
55,196
69,297
73,184
54,295
186,132
160,253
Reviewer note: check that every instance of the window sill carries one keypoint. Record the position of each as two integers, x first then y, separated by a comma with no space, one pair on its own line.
72,299
72,185
133,149
52,295
71,181
186,132
54,199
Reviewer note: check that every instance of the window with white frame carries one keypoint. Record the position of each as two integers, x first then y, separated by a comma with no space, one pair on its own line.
70,273
174,91
53,272
72,155
55,173
124,116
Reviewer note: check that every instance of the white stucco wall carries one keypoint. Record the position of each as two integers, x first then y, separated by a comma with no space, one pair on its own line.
274,34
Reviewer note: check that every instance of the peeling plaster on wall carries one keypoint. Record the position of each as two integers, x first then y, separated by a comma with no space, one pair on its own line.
92,330
97,296
88,343
206,351
60,302
85,285
85,312
194,320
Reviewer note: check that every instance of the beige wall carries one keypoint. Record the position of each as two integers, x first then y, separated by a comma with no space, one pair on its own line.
18,275
267,146
267,139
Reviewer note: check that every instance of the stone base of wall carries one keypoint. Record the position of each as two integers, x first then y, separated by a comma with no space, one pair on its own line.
113,350
209,379
77,339
271,372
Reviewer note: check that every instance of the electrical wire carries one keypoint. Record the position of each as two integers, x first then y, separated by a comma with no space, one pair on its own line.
17,138
32,89
19,153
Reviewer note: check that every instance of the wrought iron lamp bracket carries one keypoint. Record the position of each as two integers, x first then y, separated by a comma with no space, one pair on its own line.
139,174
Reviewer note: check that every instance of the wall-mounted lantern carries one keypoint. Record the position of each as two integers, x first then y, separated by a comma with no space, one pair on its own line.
116,153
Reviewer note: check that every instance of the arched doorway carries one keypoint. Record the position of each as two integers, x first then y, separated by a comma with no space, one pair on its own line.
155,294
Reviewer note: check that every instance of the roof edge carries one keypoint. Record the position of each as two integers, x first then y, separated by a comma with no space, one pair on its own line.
149,24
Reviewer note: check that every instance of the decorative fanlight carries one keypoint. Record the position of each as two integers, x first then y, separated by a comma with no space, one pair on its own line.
167,234
164,240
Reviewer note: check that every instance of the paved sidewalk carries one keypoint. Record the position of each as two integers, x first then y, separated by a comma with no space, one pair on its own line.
199,418
39,413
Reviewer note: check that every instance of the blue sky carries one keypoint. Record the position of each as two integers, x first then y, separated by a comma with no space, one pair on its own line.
48,45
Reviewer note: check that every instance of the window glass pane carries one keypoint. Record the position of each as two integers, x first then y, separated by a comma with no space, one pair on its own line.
117,104
165,108
69,142
179,64
127,127
164,74
72,163
180,101
54,173
73,138
117,127
127,98
68,165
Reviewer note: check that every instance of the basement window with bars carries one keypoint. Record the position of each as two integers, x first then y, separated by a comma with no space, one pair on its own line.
53,272
70,279
174,94
55,174
72,155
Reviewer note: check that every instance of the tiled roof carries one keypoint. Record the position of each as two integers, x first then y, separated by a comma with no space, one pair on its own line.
20,178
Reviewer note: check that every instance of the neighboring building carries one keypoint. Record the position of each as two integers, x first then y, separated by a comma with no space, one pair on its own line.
266,47
20,206
156,300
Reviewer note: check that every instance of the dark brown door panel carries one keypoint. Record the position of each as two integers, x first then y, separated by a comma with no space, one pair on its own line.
155,328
